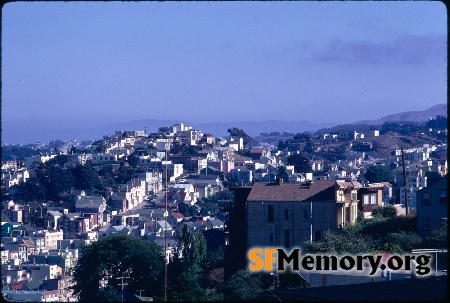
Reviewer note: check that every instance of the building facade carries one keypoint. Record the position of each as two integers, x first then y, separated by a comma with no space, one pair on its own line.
432,207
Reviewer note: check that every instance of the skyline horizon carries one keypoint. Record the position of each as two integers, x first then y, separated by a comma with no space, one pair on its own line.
108,129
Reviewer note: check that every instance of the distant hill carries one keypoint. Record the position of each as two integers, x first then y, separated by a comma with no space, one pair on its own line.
255,128
410,116
30,134
214,128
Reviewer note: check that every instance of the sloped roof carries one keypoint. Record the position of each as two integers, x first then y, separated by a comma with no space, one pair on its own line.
319,190
177,215
257,150
376,185
119,228
18,285
72,216
205,151
207,177
5,218
28,242
349,184
215,222
387,184
163,223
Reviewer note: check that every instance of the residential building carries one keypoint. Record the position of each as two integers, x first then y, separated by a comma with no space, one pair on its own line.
370,196
242,175
287,214
62,286
31,296
432,207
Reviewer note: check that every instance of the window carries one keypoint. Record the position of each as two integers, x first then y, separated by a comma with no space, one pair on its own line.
442,196
286,214
373,199
287,243
270,213
426,199
366,200
271,238
426,223
317,235
305,214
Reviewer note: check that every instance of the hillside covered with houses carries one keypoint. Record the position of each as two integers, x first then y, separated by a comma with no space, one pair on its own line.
58,196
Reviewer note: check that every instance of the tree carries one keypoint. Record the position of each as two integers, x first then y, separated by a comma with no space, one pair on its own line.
378,173
300,162
281,145
188,262
133,159
440,122
191,249
30,190
109,294
302,137
237,133
282,173
432,178
58,181
388,211
126,173
104,261
86,178
187,288
405,240
243,286
438,237
106,175
343,242
184,209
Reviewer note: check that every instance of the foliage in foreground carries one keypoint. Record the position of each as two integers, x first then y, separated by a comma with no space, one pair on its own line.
378,234
104,261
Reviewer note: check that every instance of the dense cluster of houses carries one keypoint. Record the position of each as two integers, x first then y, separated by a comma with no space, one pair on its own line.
41,244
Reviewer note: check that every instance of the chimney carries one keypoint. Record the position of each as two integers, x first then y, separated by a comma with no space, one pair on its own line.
308,183
279,181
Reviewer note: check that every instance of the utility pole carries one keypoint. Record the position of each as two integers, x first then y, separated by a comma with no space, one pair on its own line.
310,223
140,292
122,284
166,215
404,180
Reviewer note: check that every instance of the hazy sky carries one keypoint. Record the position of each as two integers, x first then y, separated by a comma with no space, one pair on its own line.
83,64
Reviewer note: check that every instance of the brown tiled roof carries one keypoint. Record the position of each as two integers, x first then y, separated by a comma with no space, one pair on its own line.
349,184
177,215
28,242
376,185
319,190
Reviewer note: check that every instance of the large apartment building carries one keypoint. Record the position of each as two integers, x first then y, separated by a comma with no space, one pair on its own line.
287,214
432,207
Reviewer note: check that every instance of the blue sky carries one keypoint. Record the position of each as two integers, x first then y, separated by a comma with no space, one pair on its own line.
85,64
